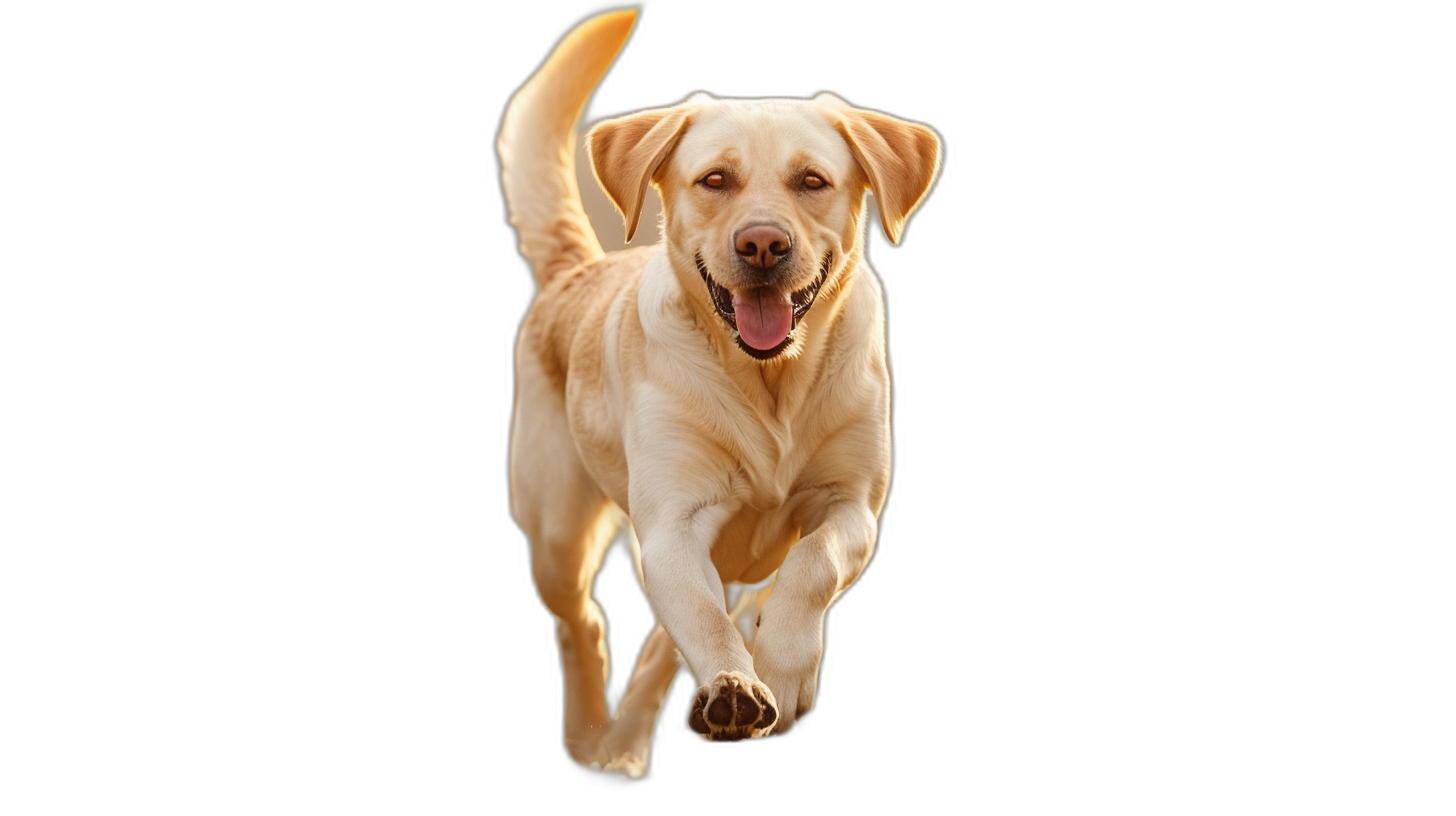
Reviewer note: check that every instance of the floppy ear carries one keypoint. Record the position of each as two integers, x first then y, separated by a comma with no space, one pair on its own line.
900,158
626,151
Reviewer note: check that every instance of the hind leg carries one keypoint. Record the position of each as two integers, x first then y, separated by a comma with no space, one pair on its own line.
564,567
569,524
745,611
630,738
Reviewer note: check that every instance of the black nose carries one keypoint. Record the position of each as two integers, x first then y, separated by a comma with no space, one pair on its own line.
762,245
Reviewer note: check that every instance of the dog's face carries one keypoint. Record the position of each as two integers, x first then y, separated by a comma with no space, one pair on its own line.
763,200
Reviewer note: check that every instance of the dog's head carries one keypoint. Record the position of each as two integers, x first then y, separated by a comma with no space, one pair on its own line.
763,200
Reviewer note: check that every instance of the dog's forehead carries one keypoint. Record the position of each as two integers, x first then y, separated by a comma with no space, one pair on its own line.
764,133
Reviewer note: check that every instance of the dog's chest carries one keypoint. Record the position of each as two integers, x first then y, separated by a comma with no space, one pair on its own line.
754,542
768,489
771,440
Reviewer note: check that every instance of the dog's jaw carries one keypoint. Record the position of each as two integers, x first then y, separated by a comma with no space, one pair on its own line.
801,300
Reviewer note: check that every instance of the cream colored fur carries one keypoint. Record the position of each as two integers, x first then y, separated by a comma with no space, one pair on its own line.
632,395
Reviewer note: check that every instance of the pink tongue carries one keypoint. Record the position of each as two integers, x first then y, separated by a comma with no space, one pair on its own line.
764,317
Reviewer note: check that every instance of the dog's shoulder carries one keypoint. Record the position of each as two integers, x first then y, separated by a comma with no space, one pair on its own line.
567,317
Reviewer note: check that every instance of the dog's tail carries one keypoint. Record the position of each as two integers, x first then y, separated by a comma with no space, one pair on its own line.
537,146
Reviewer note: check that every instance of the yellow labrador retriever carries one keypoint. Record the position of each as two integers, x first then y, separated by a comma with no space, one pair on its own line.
727,388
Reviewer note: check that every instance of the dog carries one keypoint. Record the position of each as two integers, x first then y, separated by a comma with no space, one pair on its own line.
726,389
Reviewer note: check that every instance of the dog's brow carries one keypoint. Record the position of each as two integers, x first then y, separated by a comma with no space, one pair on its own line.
730,156
726,159
803,161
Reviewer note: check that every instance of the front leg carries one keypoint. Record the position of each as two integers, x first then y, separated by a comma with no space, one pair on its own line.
678,511
790,639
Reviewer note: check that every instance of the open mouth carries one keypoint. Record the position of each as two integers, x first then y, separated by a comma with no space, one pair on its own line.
763,321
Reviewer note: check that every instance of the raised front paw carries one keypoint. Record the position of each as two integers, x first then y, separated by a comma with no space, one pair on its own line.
733,707
786,657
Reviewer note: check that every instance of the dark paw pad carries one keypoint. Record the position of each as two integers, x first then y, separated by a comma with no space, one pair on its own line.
732,707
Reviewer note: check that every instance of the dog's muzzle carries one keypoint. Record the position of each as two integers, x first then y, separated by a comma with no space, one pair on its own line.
762,321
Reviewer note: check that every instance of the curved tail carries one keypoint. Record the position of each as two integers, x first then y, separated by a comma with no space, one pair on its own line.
537,141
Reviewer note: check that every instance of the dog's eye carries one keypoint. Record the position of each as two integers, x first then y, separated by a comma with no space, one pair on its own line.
714,180
813,182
